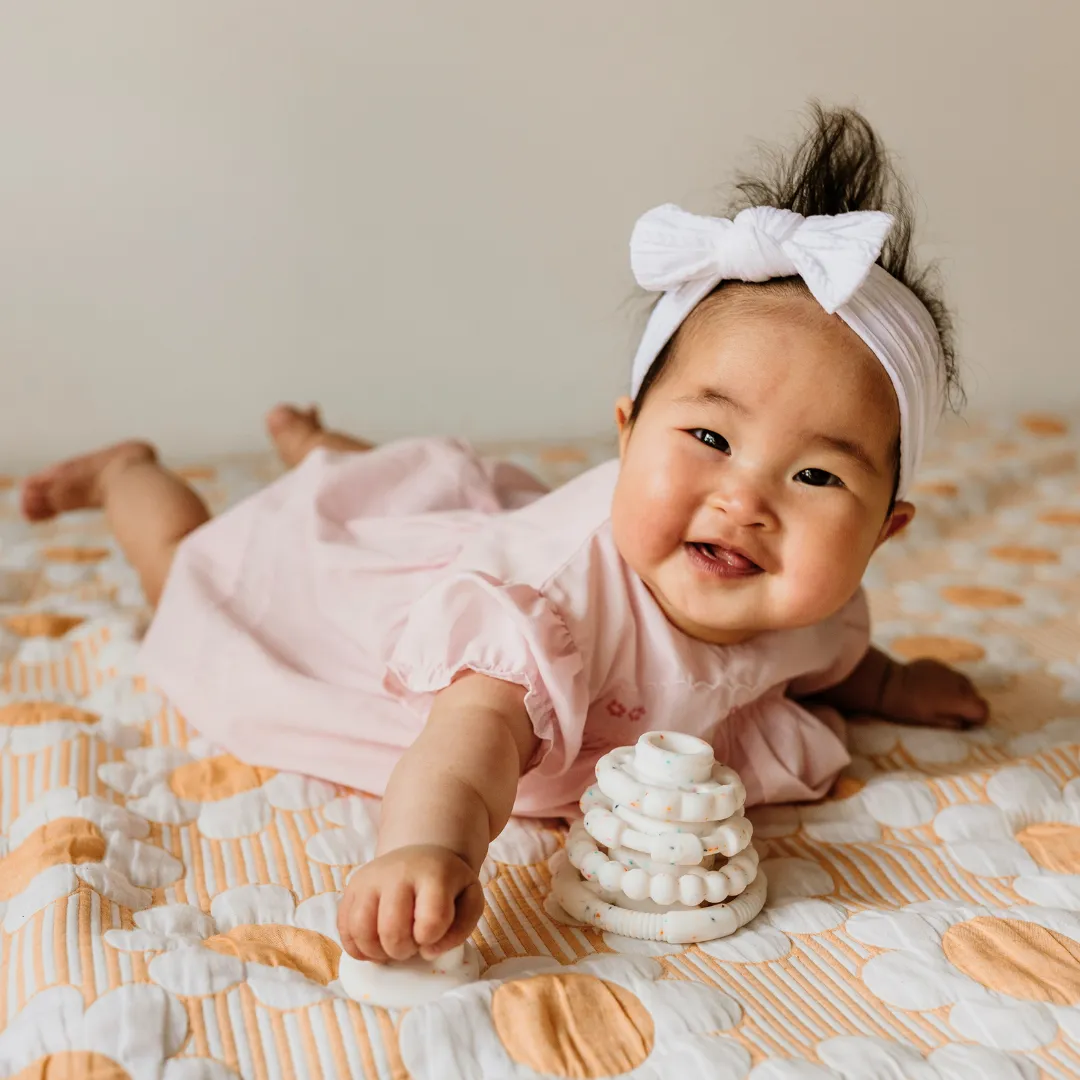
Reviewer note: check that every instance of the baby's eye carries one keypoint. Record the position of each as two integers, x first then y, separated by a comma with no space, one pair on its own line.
818,478
710,438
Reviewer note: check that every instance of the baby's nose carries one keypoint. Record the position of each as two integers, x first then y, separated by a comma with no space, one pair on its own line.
743,503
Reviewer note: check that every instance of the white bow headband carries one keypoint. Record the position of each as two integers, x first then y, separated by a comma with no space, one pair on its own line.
686,256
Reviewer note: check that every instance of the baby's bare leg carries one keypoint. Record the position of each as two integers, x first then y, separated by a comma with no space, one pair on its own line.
149,509
296,432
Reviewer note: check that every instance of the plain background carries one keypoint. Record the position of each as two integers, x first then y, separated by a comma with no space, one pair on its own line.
417,213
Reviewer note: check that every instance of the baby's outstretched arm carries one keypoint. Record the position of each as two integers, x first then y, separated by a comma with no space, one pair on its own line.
922,692
448,798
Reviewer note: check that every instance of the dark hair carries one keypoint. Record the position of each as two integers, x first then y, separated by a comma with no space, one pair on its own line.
840,166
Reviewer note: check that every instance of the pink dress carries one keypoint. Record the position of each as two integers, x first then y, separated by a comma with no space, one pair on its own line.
309,627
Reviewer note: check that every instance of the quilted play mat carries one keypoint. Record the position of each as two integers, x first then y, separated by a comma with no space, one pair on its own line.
168,911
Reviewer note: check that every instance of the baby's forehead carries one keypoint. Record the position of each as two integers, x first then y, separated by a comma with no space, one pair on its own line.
748,304
778,352
777,324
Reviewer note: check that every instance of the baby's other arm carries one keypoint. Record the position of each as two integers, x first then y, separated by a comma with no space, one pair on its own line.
922,692
448,798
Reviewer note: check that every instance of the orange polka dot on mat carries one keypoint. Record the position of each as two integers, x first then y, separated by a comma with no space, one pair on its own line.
1060,517
7,483
42,624
77,555
1043,424
572,1025
215,778
196,472
846,787
73,1065
29,713
563,455
307,951
65,841
1054,845
1016,958
949,650
979,596
1025,556
942,488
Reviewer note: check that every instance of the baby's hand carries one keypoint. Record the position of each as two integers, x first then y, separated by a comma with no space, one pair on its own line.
929,693
422,899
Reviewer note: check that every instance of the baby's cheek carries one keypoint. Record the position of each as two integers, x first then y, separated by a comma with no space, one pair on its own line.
821,577
641,536
648,523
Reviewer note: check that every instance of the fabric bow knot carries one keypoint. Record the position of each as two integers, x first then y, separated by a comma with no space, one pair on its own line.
670,248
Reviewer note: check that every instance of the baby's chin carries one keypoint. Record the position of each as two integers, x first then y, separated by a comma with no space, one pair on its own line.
751,614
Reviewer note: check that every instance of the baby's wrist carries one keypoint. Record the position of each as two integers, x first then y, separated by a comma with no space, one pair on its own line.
403,849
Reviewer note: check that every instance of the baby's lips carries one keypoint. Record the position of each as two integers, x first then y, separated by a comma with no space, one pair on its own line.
734,557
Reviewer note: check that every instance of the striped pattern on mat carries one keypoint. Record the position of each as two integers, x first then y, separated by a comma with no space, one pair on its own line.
168,911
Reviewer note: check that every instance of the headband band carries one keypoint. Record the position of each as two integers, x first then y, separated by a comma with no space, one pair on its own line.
686,256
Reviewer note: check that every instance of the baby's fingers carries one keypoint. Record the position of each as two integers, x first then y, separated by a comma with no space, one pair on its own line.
363,927
971,706
433,916
469,908
396,921
959,705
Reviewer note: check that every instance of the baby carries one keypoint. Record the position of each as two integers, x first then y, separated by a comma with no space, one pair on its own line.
426,625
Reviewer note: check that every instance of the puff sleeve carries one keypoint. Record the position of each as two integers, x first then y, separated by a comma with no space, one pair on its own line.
471,622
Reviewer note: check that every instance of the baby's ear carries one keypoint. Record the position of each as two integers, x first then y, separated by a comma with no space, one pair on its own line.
900,518
624,408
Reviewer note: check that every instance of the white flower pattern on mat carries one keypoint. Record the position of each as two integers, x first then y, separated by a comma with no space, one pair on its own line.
641,1029
927,747
798,905
1010,978
1030,831
857,1057
861,802
355,820
130,1033
1068,671
1064,731
353,834
286,953
227,798
66,840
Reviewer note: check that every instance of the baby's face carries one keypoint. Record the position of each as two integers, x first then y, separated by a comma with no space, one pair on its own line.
756,481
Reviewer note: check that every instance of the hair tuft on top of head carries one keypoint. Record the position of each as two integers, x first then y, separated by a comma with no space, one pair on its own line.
839,167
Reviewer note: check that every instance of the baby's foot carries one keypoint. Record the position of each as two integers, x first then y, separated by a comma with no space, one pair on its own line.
75,484
293,431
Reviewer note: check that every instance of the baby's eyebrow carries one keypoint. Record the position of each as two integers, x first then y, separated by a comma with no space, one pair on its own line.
709,395
850,448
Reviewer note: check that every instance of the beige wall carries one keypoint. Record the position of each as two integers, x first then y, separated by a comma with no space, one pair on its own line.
417,212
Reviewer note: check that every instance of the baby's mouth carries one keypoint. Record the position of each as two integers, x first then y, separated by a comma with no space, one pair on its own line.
722,561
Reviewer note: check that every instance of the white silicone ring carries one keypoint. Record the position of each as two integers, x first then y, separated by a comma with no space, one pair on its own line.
676,926
662,887
714,799
408,983
683,846
670,757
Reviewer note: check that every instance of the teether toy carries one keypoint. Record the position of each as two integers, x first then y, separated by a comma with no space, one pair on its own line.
663,852
407,983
